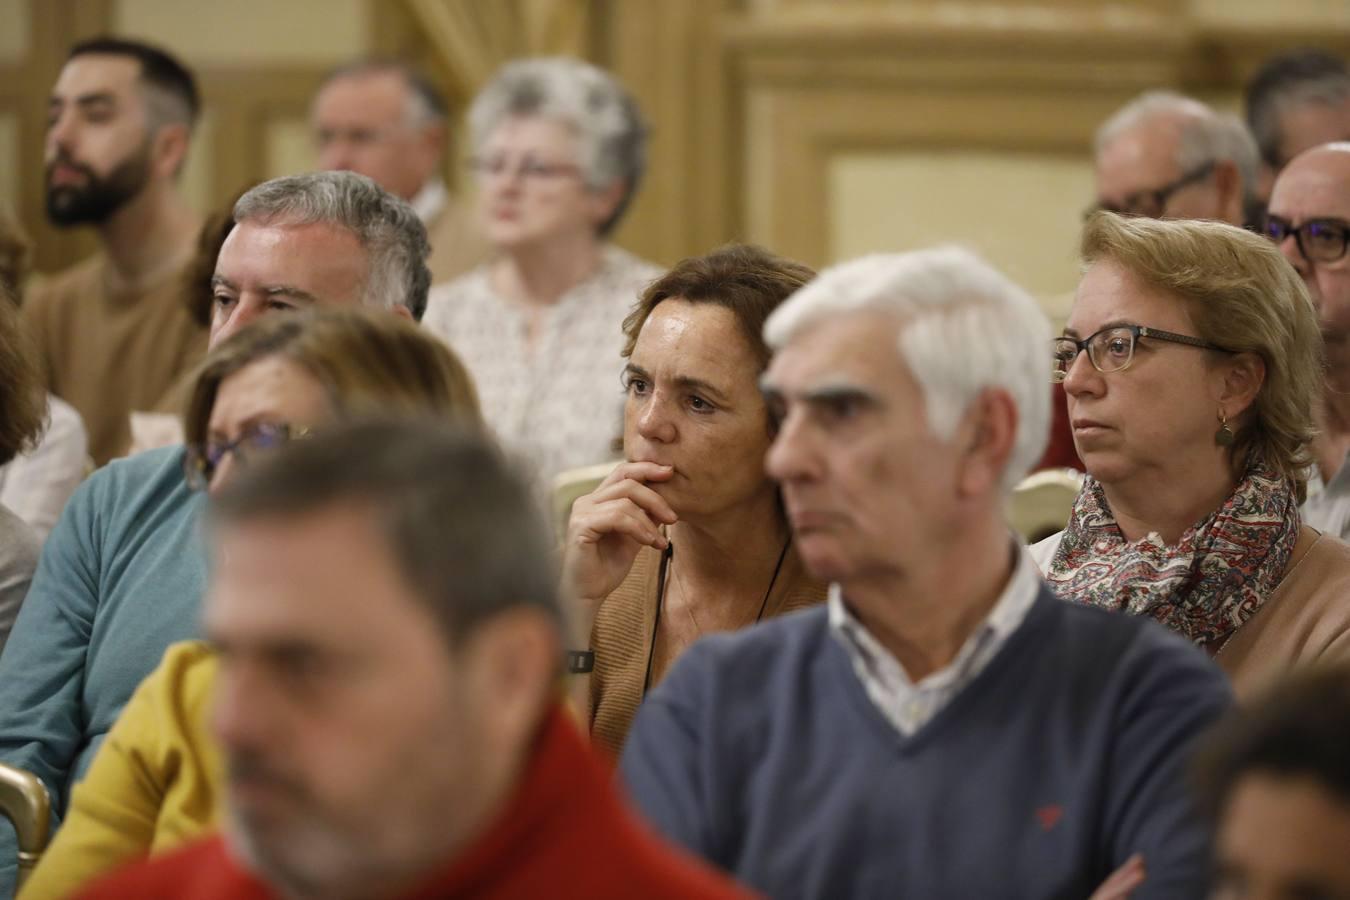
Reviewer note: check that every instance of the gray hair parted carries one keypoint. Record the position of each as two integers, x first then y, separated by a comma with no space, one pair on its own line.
394,238
587,99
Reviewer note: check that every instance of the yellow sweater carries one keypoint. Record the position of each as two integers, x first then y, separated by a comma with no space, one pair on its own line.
152,786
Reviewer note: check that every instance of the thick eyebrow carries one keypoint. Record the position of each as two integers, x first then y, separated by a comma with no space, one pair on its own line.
822,395
688,382
85,101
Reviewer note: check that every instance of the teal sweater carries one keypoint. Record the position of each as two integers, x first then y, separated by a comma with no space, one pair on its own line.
121,577
762,753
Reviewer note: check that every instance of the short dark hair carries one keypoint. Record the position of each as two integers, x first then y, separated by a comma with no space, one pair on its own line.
459,520
1304,74
746,279
159,70
1300,728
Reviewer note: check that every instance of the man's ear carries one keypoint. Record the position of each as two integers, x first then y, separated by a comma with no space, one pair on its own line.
401,310
514,662
169,149
1228,185
985,441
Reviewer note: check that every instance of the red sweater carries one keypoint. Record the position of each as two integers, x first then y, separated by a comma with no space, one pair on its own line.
565,833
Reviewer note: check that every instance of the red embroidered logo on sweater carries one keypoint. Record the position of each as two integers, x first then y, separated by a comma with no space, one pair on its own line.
1049,815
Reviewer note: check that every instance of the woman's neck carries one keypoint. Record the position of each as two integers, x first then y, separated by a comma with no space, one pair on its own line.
1168,504
733,552
539,275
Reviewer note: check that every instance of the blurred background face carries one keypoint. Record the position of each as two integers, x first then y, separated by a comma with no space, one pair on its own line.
264,268
258,402
362,124
328,780
1283,838
532,189
1317,186
694,404
865,482
1143,160
98,142
1156,414
1307,125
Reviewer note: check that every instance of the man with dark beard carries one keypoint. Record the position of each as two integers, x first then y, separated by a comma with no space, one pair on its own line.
112,330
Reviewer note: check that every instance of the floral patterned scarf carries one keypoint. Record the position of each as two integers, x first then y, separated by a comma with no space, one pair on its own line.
1214,579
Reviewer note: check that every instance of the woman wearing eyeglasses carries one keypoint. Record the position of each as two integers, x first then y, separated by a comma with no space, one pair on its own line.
155,780
1191,360
559,147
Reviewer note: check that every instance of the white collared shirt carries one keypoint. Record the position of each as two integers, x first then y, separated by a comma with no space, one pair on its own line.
909,706
430,200
1328,505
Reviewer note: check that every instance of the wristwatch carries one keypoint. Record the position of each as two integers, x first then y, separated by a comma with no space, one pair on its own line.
579,662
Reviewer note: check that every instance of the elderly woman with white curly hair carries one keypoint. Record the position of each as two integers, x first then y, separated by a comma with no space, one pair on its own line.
559,147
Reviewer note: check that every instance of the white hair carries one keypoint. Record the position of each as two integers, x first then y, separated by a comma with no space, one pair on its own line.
1206,135
588,100
963,327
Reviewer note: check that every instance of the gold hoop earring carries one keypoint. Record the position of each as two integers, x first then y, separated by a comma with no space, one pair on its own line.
1224,437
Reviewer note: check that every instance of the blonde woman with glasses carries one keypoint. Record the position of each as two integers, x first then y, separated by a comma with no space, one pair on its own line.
1192,363
155,781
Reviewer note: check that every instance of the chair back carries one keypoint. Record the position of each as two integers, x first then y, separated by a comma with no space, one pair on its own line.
1042,501
25,802
575,483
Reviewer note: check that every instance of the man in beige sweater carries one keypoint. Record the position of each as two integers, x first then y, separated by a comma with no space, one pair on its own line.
113,331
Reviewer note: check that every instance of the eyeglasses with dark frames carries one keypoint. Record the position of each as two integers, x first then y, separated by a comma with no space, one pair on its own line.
202,460
1319,240
1112,348
1151,203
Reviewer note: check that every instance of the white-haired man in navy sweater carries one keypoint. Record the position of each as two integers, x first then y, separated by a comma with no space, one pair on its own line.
943,727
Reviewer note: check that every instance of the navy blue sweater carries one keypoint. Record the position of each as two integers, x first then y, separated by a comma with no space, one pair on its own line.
762,753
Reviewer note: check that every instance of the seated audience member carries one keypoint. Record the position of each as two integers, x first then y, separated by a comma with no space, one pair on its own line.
155,781
944,727
1192,409
1168,156
1294,102
695,434
21,412
36,484
385,120
1310,221
112,331
389,640
1276,777
121,576
558,147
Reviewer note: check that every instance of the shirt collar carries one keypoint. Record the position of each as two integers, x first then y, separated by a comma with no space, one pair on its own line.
1008,612
430,200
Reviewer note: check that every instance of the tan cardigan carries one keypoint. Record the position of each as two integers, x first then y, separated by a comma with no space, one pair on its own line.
1306,620
622,639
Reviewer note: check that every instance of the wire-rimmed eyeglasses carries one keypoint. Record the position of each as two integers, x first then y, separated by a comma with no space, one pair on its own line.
202,460
1112,348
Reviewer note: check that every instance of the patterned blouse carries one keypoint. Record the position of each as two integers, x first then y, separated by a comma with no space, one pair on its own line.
558,403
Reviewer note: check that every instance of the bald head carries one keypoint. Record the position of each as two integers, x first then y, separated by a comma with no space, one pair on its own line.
1168,156
1315,187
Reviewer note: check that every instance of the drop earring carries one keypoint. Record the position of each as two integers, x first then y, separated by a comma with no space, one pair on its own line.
1224,436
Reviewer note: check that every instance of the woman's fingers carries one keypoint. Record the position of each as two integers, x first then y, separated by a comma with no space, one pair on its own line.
620,516
633,490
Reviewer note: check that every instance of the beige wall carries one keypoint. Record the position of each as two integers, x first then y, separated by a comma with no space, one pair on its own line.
1021,211
249,32
13,30
9,163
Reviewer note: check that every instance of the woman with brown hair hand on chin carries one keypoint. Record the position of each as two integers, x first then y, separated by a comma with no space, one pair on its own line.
687,537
